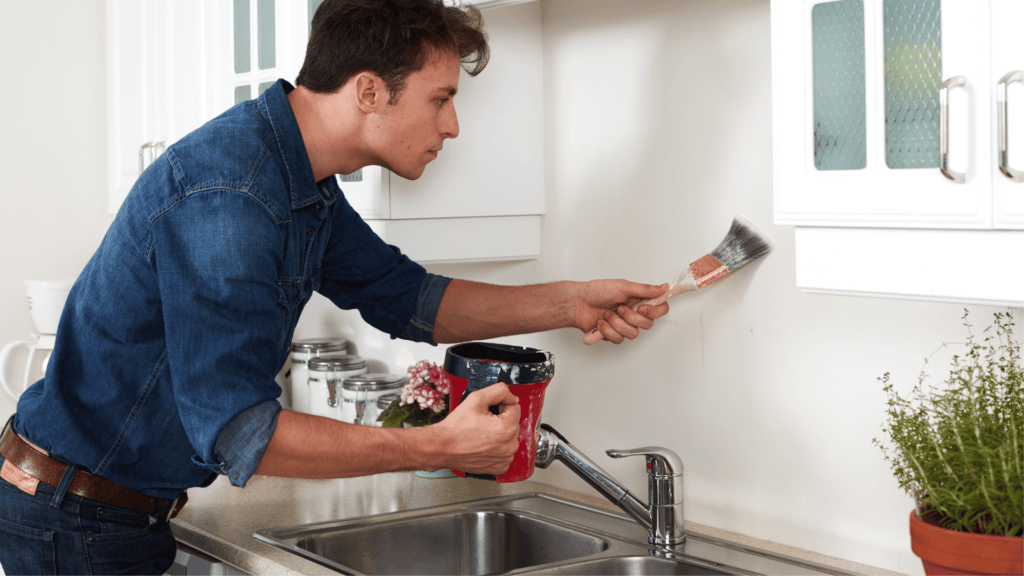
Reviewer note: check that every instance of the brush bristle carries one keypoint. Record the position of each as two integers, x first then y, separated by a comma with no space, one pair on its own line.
744,243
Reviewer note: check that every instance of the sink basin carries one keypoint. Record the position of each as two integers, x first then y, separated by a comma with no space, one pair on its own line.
472,542
519,534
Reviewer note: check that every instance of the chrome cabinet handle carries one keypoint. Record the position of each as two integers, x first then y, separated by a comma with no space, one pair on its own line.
954,82
155,150
142,155
1004,126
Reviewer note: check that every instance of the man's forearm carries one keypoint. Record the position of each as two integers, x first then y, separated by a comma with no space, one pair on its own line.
305,446
477,311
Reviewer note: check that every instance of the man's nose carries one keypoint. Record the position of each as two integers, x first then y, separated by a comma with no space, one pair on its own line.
450,128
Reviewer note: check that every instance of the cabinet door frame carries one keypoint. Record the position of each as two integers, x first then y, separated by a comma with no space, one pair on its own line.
878,196
1008,56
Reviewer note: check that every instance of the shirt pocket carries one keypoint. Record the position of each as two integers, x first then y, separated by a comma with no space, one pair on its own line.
291,292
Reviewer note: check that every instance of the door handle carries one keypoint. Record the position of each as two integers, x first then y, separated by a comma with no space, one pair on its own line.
155,150
954,82
142,155
1004,125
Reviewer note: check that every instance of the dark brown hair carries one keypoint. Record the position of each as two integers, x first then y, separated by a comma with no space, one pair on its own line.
391,38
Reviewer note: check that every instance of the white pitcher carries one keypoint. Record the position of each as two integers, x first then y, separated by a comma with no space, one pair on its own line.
46,302
40,344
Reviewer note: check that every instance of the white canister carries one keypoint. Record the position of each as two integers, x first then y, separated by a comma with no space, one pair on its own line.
302,352
359,396
326,375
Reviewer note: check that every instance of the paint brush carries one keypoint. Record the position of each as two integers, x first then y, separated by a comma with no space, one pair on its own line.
743,244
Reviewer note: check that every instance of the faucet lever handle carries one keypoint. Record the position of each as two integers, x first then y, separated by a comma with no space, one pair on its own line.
660,461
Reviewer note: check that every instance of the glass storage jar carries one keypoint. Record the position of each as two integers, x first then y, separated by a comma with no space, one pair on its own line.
326,374
359,396
302,352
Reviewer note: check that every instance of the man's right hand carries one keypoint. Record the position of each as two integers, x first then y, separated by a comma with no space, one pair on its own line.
473,439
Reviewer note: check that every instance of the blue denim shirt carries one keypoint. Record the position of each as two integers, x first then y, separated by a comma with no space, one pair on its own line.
163,371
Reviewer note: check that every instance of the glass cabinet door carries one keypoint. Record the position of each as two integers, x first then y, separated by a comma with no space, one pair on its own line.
254,48
858,121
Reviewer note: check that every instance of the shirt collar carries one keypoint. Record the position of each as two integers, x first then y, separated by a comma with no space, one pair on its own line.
302,189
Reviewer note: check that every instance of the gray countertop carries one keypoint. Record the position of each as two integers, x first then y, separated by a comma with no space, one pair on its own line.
220,520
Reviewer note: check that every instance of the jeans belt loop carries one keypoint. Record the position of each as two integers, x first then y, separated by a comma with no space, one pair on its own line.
65,483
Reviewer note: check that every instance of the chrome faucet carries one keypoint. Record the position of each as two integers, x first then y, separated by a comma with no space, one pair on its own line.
663,516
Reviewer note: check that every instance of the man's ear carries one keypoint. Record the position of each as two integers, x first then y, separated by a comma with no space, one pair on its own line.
371,94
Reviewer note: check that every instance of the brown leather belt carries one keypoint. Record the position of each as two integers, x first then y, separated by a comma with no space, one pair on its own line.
47,470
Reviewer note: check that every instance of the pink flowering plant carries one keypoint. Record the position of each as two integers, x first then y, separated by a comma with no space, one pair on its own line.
424,398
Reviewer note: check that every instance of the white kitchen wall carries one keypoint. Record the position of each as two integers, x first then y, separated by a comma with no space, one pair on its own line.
658,123
658,120
53,154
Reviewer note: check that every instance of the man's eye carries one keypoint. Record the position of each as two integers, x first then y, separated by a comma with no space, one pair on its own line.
441,101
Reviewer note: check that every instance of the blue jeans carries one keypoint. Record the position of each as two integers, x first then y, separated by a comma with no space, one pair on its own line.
54,532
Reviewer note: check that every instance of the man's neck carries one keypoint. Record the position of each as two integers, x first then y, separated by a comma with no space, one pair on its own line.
331,139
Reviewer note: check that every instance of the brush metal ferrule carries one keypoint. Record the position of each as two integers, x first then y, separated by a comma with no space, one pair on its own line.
708,270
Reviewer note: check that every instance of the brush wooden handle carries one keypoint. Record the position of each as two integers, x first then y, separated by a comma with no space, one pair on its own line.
681,287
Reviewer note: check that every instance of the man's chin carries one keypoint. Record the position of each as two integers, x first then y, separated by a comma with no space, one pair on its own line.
410,173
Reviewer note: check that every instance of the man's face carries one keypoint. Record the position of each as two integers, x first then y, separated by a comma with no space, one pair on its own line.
409,133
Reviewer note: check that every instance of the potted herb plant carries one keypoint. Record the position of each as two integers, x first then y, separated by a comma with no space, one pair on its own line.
959,450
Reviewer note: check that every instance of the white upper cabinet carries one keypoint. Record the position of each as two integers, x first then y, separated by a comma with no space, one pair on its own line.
483,197
161,84
175,64
860,91
888,114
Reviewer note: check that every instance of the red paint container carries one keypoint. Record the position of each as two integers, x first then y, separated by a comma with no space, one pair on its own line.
527,371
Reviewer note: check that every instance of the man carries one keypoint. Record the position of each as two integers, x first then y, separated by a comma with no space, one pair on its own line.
163,372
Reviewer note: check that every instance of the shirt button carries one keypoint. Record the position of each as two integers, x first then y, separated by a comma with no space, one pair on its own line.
318,207
309,231
327,193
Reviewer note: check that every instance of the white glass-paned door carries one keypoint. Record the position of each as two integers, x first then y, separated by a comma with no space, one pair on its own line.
824,175
259,44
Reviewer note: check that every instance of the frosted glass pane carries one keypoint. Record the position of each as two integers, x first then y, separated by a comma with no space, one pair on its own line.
313,5
264,86
913,75
243,93
840,113
356,176
266,34
243,58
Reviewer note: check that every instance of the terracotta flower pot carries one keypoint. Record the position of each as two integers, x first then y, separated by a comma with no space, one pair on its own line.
944,551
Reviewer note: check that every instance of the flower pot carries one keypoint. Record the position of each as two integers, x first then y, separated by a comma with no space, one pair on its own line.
944,551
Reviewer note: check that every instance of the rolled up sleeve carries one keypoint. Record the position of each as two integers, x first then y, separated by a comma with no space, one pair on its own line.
244,440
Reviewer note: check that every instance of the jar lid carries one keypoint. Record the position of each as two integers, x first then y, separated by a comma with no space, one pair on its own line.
319,345
385,400
333,362
378,381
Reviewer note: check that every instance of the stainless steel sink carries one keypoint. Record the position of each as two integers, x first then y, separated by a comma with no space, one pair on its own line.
471,542
520,534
